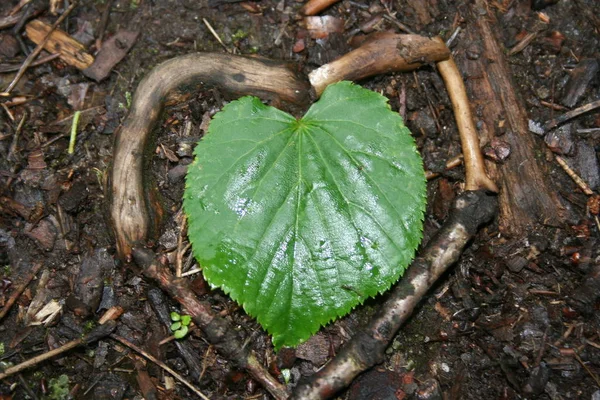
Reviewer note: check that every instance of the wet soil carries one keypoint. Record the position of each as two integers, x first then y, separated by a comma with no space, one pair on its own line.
517,317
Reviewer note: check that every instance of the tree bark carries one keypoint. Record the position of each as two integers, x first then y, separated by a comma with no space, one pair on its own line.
526,198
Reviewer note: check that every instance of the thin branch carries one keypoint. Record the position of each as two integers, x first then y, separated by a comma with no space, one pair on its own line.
450,164
381,53
181,249
571,114
576,178
475,174
215,34
98,333
587,369
10,20
15,295
160,364
39,61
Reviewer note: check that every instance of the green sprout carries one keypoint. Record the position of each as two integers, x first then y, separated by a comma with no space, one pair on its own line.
180,325
239,35
73,136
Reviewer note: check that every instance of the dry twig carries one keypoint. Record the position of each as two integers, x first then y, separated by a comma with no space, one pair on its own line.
576,178
215,34
450,164
18,290
160,364
475,174
39,61
181,249
98,333
571,114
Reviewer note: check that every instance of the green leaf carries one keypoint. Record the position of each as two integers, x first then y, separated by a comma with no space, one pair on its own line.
180,333
301,220
175,326
185,320
175,316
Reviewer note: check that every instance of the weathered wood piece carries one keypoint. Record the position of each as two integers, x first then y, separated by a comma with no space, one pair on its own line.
71,51
383,53
581,77
526,198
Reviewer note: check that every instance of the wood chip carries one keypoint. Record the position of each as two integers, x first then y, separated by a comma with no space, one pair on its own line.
70,50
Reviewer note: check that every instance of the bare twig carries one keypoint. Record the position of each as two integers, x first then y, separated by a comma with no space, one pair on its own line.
587,369
216,329
25,386
18,290
450,164
39,61
215,34
103,23
475,174
571,114
9,21
15,142
159,363
98,333
523,43
367,348
580,182
39,48
399,24
181,249
7,111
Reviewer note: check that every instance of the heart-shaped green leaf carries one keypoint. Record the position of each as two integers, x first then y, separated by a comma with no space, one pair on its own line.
301,220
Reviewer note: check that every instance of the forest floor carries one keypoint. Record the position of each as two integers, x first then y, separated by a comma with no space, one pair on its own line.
517,317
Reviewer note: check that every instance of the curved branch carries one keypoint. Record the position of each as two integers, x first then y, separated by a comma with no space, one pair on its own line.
135,215
475,175
384,52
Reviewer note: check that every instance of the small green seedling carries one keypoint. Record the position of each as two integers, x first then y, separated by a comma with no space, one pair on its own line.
301,220
180,325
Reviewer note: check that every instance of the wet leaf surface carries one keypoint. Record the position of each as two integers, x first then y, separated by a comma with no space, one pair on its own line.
301,220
